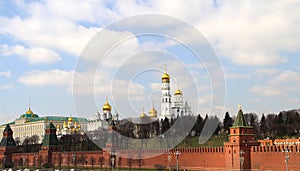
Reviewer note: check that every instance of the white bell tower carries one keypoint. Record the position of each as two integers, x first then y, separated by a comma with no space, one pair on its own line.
165,96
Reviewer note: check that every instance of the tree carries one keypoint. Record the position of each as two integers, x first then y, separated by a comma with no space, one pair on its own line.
34,139
263,125
119,162
165,125
93,162
101,161
227,122
129,162
17,141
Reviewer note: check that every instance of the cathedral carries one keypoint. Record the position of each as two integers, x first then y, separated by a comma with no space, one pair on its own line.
102,119
171,107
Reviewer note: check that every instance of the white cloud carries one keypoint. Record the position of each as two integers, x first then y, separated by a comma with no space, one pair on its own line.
46,78
33,55
266,90
237,76
247,32
5,74
284,83
6,86
155,86
287,77
252,34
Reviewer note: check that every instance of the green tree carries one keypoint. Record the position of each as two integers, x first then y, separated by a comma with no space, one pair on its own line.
227,122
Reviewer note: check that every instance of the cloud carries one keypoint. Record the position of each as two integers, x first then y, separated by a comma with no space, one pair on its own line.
284,83
237,76
252,35
47,32
266,90
6,86
32,55
53,77
6,74
287,77
245,33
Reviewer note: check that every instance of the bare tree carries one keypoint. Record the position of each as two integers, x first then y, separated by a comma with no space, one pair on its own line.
93,162
101,161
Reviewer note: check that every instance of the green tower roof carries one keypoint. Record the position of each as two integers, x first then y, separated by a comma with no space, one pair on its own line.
50,139
240,120
7,141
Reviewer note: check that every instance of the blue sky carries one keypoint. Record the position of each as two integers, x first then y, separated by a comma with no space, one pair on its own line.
257,44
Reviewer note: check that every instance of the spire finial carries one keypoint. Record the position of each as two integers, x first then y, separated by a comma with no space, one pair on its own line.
240,107
29,102
165,67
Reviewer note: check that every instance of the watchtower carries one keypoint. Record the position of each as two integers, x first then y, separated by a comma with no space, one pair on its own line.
241,138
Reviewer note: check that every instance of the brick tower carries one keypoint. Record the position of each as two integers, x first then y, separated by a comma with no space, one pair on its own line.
241,138
7,147
49,144
112,139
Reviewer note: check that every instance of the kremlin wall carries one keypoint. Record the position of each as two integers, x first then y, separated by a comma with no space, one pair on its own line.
241,152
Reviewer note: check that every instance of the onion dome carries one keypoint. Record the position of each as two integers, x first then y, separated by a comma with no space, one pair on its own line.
29,111
106,106
78,125
142,115
165,77
178,92
153,113
29,114
70,119
65,124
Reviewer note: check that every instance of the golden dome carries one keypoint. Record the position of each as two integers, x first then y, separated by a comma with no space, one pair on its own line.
153,113
70,119
165,76
29,111
106,106
143,115
65,124
178,92
78,125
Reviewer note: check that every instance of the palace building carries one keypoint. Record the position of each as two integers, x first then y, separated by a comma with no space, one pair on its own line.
29,124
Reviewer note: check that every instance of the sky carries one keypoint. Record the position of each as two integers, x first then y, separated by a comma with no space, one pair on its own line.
42,45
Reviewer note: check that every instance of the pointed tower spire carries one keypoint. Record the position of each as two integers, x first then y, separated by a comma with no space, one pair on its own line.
240,120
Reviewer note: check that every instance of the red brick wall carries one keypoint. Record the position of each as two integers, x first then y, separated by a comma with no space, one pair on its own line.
190,158
272,158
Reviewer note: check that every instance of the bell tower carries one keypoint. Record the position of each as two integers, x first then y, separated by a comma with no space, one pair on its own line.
165,96
241,138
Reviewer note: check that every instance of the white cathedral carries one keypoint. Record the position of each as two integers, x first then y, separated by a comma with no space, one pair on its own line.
172,107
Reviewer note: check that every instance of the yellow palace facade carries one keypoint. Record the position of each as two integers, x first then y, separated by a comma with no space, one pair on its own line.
29,124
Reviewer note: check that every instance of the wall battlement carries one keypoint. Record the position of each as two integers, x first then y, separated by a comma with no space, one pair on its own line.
275,148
